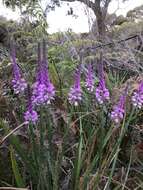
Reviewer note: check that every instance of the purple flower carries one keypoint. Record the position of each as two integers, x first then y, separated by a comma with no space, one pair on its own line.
38,94
137,98
75,94
19,84
117,114
43,89
101,92
30,115
50,92
89,79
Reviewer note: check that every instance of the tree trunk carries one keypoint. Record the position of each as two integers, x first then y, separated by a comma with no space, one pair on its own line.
100,19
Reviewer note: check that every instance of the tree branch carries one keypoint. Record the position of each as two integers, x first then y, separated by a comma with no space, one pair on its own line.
106,7
90,4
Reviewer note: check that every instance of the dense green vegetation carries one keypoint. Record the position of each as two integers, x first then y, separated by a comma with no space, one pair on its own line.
72,147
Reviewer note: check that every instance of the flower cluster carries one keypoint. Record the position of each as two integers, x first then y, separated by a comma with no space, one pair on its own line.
102,93
43,89
89,83
117,114
18,83
137,98
75,94
30,115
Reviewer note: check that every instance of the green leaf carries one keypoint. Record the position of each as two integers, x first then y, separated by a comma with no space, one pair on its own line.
15,168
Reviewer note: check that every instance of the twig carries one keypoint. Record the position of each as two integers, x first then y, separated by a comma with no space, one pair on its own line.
12,132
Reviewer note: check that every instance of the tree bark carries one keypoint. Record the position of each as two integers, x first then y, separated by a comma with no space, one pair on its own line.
100,19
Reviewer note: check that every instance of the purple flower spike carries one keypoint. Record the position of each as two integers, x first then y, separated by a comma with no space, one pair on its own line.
75,94
137,98
39,90
50,89
30,115
43,89
19,84
102,93
50,92
117,114
89,79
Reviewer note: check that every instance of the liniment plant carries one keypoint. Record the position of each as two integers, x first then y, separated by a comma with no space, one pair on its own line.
30,115
89,83
117,114
102,93
75,94
18,82
137,97
71,134
43,89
